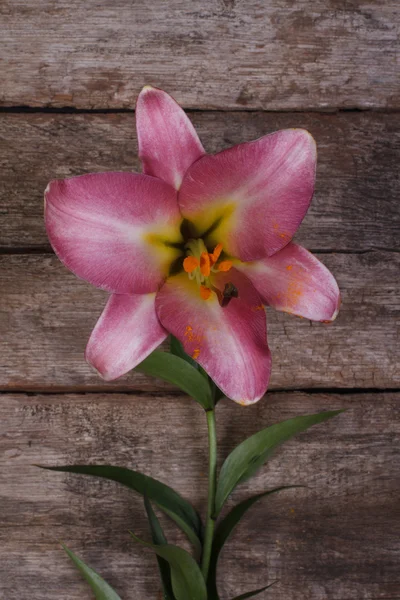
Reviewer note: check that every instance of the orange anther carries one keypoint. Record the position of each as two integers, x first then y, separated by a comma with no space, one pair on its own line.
225,265
205,266
205,292
216,254
190,264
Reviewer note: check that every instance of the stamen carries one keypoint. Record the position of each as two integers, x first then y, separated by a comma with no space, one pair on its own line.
190,264
216,254
205,292
225,265
205,266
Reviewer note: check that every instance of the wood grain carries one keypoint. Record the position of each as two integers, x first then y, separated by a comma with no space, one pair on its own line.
208,53
356,202
338,539
227,62
46,316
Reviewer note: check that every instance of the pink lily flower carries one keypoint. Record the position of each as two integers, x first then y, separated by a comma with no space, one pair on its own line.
195,246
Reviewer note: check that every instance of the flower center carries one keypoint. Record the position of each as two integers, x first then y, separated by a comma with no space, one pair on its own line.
200,264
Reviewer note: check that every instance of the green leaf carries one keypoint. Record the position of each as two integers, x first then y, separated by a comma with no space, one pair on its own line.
216,392
159,539
228,523
251,454
176,348
225,529
176,507
253,593
101,589
187,580
181,373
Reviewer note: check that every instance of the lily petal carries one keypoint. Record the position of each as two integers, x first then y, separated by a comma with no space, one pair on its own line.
252,197
294,281
126,333
111,229
168,142
230,343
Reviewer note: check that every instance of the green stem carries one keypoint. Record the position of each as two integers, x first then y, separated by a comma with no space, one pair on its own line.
212,485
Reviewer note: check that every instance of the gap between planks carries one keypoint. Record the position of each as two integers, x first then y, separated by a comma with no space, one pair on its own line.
177,394
48,250
329,110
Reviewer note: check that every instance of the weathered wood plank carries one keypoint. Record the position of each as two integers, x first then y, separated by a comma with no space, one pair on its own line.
208,53
46,316
356,203
337,539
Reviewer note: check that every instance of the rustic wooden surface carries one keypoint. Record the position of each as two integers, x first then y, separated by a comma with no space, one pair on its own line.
356,202
47,316
209,53
71,72
337,539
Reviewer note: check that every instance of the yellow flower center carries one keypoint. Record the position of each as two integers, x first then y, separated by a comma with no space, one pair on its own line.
199,264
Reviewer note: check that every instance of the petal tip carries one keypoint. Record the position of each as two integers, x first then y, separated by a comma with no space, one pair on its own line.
147,88
104,375
248,402
307,136
91,365
49,187
337,309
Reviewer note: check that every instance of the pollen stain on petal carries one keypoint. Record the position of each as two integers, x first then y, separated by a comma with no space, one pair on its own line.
294,293
258,307
289,267
282,234
192,336
196,353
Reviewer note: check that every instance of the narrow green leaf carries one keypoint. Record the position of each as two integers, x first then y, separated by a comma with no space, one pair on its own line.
187,580
253,593
101,589
176,349
251,454
178,371
216,392
225,529
159,539
176,507
228,523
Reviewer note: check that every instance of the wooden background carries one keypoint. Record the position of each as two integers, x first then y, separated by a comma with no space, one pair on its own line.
71,72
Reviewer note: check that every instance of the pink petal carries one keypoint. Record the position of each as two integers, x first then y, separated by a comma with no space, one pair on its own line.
294,281
253,196
168,142
127,331
110,228
230,343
